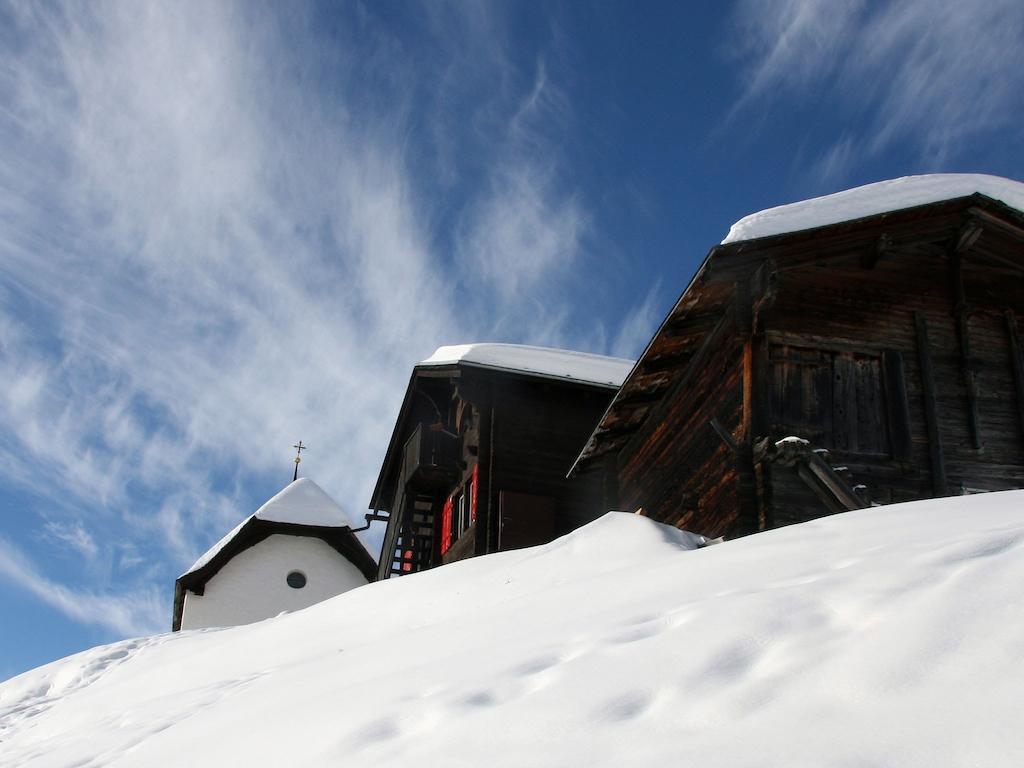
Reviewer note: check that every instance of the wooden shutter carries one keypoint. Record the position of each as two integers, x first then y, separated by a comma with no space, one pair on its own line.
446,526
475,495
851,401
858,404
897,406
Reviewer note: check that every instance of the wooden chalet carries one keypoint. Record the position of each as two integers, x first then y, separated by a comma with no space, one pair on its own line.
478,458
882,337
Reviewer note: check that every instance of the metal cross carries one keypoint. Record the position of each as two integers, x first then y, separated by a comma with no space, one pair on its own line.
299,448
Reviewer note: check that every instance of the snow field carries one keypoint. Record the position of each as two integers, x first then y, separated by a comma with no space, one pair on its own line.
888,636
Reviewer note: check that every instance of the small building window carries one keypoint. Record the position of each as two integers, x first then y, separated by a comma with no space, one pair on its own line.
851,401
296,579
463,516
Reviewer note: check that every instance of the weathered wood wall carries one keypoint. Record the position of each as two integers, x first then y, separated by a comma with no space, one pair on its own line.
678,468
537,432
892,341
522,434
905,303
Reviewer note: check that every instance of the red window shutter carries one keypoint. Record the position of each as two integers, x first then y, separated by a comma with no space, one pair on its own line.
446,526
476,486
407,561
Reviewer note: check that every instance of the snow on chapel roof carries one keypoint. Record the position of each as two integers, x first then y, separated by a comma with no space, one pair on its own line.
542,361
302,502
872,199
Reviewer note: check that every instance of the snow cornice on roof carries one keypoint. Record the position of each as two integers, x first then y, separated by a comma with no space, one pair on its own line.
542,362
873,199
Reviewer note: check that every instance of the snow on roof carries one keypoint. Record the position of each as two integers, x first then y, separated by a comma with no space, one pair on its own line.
302,502
542,361
886,636
871,199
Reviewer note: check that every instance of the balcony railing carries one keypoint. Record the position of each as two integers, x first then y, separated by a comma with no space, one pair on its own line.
429,459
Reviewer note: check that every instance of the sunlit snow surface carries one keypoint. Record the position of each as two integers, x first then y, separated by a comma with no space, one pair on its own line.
872,199
542,361
889,636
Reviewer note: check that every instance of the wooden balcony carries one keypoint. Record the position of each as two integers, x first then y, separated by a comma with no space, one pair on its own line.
429,462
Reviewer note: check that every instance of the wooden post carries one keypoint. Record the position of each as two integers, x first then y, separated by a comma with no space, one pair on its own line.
485,462
961,312
743,450
924,358
1016,364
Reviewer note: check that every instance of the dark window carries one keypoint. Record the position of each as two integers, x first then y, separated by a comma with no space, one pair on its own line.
296,579
838,399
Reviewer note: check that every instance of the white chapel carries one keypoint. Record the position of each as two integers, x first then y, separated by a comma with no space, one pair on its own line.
294,551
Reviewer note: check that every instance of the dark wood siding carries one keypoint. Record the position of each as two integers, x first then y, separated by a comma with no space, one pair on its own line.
681,471
871,313
892,342
537,431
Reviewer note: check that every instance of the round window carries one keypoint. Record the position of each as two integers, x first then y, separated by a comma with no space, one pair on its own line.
296,579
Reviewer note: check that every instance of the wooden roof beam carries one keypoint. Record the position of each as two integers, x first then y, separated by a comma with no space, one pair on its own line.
641,398
713,337
881,247
996,222
664,363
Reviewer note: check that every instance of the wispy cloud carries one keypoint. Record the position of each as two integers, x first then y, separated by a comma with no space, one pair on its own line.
73,537
140,612
639,325
526,231
931,73
215,241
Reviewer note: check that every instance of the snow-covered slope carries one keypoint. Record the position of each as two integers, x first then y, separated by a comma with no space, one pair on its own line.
541,361
890,636
882,196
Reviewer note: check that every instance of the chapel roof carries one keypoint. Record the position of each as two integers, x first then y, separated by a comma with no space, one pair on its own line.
301,508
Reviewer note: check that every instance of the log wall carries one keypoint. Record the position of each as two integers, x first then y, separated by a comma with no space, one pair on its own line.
680,470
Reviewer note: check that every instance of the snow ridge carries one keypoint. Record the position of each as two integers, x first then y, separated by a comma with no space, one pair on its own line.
871,199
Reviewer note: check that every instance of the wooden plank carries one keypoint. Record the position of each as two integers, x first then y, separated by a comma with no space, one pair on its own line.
967,237
641,398
485,513
1016,364
665,363
714,337
746,429
844,406
760,406
924,358
969,233
897,406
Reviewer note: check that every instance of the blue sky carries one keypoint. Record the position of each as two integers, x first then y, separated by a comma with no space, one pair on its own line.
224,227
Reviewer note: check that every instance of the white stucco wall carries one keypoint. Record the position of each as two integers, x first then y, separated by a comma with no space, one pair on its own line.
251,586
